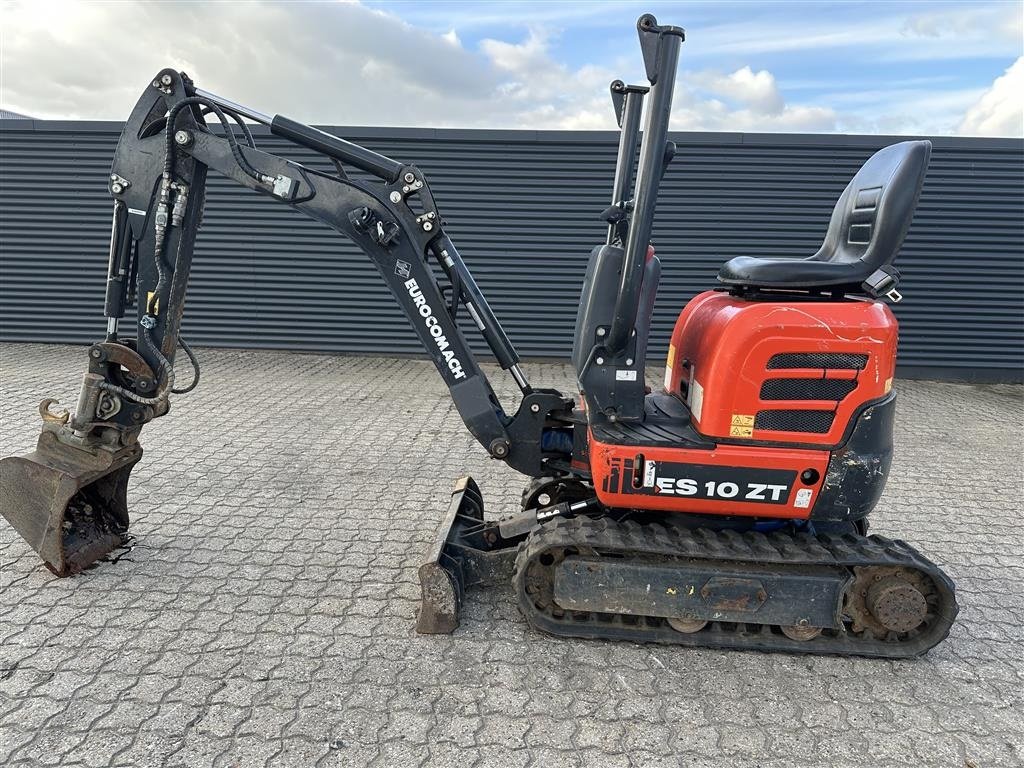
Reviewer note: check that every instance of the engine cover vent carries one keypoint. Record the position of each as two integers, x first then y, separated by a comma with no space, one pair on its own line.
848,361
815,422
807,389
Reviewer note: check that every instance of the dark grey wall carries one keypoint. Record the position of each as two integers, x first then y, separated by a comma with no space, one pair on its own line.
522,206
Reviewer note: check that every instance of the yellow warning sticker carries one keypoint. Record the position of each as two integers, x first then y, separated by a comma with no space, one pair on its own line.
888,385
742,425
670,360
156,304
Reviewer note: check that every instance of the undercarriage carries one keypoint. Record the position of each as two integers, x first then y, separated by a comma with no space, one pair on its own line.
625,575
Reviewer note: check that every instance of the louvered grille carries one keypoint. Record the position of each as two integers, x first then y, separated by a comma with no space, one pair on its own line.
816,422
847,361
807,389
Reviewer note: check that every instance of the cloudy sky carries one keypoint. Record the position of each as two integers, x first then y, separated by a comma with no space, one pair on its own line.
936,68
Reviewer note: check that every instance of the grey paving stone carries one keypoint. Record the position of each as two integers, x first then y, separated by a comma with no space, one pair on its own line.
265,616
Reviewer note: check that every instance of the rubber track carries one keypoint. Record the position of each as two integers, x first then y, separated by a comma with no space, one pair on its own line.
636,540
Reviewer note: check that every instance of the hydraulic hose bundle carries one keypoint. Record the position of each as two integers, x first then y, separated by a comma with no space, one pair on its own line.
165,372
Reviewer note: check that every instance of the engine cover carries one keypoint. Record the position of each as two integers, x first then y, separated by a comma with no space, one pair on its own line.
784,370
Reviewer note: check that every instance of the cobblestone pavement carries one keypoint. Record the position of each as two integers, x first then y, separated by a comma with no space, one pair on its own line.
265,616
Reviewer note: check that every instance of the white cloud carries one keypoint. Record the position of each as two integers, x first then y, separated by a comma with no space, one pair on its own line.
743,100
989,31
320,62
1000,110
755,90
343,63
531,55
1001,22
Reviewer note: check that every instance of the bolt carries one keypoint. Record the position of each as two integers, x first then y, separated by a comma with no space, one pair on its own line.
629,361
136,416
409,178
430,215
535,408
406,189
166,79
396,197
600,361
601,331
95,353
427,226
183,137
116,188
113,177
803,622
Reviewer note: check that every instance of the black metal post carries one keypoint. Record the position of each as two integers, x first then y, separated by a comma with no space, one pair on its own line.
629,121
661,63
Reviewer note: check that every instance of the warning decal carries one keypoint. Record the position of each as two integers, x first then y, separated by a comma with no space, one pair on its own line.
742,425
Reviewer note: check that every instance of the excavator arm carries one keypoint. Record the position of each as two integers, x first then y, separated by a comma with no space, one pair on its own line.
68,498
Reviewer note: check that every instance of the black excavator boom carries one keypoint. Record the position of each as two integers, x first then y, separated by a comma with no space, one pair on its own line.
68,499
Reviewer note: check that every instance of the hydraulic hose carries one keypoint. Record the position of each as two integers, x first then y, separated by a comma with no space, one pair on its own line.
168,173
195,368
236,151
166,370
234,116
164,366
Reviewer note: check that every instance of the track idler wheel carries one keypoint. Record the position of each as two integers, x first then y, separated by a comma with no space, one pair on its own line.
884,600
896,604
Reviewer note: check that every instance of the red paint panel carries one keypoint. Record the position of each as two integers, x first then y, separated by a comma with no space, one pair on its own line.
612,467
721,346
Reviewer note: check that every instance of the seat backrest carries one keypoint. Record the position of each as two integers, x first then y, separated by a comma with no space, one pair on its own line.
873,214
597,302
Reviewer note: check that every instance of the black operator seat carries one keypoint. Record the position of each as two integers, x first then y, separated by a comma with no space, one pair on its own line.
864,235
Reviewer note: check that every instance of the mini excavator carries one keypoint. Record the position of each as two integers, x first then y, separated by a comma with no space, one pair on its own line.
727,509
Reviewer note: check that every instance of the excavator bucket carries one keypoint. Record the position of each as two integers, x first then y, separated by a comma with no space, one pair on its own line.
466,552
70,505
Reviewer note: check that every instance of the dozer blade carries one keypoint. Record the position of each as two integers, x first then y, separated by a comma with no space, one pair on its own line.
466,552
70,505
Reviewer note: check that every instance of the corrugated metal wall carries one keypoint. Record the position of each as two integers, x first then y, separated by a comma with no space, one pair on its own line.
522,206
